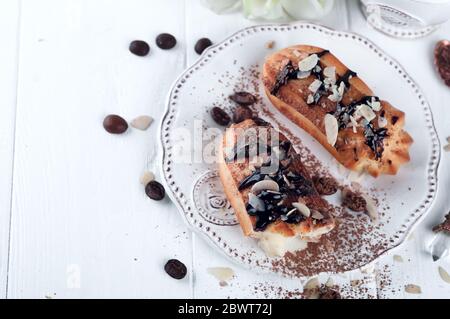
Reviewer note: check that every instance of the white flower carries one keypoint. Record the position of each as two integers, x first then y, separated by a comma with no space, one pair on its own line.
264,9
220,6
307,9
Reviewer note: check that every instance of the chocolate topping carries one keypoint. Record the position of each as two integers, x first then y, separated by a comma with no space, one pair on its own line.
346,78
287,73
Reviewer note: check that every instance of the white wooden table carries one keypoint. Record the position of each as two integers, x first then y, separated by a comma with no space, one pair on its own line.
74,220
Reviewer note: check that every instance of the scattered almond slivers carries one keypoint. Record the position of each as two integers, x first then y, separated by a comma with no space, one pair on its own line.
413,289
444,275
146,178
372,210
142,122
398,258
222,274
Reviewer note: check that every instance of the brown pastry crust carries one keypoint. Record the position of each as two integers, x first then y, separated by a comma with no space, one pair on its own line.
232,174
350,149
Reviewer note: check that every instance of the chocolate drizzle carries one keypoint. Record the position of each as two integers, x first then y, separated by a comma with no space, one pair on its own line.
346,78
287,73
375,139
277,205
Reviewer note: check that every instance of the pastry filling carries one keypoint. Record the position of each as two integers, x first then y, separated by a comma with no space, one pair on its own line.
362,113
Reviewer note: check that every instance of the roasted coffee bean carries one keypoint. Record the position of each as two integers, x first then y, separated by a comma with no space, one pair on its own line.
202,44
155,191
220,116
243,98
166,41
175,269
242,113
325,185
442,60
260,122
140,48
354,201
115,124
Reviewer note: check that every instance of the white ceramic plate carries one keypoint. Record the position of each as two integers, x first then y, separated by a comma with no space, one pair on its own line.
232,65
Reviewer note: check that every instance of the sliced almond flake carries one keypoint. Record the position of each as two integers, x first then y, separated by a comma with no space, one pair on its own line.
303,75
355,283
222,274
310,99
341,89
375,105
398,258
317,215
308,63
302,208
146,178
312,284
334,97
331,129
297,53
382,122
266,185
447,148
142,122
315,86
330,72
330,283
444,275
367,112
413,289
354,124
372,210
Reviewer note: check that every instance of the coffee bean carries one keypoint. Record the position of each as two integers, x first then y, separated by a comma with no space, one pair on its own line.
115,124
325,185
175,269
202,44
220,116
243,98
260,122
242,113
442,60
155,191
166,41
140,48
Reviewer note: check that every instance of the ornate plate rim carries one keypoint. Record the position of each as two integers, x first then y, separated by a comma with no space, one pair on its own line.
182,202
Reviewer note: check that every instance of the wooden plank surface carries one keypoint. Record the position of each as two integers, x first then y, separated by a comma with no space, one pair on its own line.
81,223
9,33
